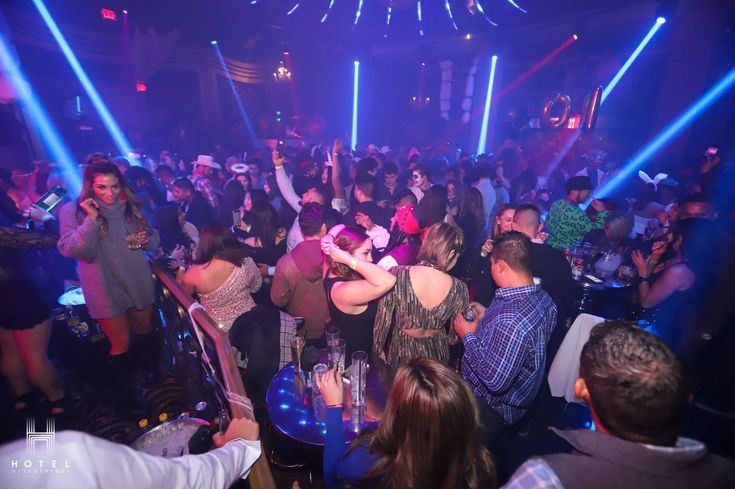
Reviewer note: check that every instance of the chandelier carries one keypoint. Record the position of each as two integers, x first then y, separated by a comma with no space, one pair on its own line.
282,74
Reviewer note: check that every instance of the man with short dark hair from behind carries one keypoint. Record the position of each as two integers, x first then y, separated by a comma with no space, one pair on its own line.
637,392
297,283
195,206
505,345
366,212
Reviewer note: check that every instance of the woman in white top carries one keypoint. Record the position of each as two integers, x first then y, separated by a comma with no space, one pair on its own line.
224,276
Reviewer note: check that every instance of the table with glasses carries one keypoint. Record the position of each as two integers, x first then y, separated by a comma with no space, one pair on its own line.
299,415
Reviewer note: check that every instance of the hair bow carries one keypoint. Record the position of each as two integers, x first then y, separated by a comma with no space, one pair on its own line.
655,180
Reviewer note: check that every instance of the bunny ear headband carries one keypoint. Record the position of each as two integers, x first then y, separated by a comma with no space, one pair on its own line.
655,180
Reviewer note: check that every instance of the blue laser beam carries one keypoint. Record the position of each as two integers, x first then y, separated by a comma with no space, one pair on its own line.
448,8
238,101
418,14
52,140
486,111
329,9
355,86
358,13
517,6
669,133
606,92
482,11
631,59
387,21
293,9
121,142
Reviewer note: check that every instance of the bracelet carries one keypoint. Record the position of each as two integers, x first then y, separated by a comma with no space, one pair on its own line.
353,263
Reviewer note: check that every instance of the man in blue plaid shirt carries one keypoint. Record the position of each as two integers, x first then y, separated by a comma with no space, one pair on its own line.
505,351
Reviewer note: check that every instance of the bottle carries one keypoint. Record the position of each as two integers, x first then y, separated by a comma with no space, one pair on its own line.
48,201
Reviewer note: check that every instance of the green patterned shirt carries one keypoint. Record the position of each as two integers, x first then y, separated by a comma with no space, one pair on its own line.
568,223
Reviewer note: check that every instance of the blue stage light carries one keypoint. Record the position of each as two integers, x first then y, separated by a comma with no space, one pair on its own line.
58,152
355,86
668,134
478,5
610,86
293,9
121,142
387,21
605,93
241,108
421,21
448,8
486,112
358,13
329,9
213,43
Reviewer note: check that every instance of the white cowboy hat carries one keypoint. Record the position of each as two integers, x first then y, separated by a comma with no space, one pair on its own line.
239,168
206,160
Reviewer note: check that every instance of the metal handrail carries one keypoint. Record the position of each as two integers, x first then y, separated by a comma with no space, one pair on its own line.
260,475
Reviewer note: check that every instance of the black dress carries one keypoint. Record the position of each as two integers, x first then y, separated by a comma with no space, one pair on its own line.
355,329
26,287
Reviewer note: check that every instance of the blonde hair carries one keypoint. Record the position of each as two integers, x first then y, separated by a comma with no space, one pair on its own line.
440,241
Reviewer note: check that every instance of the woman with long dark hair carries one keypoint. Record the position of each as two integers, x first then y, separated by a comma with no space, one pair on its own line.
223,276
267,237
233,196
107,233
353,285
429,436
472,218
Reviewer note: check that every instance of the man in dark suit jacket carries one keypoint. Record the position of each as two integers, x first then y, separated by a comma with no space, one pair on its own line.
366,206
195,206
549,265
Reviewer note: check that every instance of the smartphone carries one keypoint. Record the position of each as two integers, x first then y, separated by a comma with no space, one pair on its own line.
236,218
50,199
281,148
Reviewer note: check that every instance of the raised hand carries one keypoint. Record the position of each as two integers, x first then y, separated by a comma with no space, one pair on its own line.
91,207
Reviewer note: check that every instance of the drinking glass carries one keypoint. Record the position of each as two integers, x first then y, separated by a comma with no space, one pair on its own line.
132,241
337,351
332,334
316,373
297,348
358,377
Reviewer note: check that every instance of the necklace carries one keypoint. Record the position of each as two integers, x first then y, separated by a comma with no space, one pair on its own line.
424,263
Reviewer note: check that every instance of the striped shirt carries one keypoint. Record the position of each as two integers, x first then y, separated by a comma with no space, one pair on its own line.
504,359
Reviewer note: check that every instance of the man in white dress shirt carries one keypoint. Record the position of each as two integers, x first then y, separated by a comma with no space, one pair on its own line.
82,461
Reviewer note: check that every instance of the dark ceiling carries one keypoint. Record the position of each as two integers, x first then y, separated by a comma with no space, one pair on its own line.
243,29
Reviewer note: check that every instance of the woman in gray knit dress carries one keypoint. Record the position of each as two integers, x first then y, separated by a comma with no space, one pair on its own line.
105,231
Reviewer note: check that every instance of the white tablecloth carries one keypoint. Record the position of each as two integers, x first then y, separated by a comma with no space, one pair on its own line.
565,368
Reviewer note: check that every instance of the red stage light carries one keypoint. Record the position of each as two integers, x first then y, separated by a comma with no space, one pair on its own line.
141,87
108,14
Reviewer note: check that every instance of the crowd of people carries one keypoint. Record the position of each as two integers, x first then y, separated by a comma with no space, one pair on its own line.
461,277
